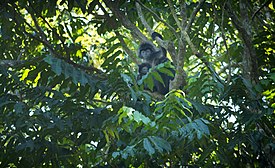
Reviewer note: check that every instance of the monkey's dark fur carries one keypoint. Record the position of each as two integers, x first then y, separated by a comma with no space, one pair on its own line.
143,69
151,57
149,53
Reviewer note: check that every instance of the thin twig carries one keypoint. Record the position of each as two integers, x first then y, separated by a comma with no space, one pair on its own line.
225,44
148,28
193,15
174,14
267,2
158,18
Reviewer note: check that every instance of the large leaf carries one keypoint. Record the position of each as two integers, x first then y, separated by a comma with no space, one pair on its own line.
160,144
148,146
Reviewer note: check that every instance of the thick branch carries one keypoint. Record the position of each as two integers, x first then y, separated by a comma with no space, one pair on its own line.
43,39
159,19
148,28
250,69
126,49
189,42
124,20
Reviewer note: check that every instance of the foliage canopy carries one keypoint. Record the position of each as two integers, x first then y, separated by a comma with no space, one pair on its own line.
69,95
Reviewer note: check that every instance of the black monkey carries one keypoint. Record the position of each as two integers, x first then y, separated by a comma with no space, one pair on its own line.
153,57
143,69
149,53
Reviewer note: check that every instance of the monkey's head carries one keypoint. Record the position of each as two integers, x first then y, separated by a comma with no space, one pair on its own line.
145,50
143,68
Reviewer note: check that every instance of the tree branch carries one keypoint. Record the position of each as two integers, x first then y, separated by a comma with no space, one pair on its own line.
126,49
250,69
159,19
191,45
266,3
148,28
174,14
43,39
124,20
193,15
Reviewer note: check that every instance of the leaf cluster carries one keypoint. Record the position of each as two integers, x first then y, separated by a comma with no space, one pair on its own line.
69,95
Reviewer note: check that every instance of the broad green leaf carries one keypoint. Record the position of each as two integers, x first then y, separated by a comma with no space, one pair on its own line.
202,126
157,76
149,81
68,70
166,71
83,78
148,147
160,144
140,117
48,59
56,66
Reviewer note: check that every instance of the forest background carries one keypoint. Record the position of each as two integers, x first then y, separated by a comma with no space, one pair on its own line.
69,95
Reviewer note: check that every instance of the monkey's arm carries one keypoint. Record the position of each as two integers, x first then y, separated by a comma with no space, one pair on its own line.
155,34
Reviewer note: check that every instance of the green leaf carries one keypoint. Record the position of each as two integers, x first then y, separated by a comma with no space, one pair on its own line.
56,66
157,76
24,146
160,144
272,76
140,117
83,78
148,147
68,70
18,107
115,154
128,151
166,71
201,126
75,75
5,103
149,81
111,50
48,59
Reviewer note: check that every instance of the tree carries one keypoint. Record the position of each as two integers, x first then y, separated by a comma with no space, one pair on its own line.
69,96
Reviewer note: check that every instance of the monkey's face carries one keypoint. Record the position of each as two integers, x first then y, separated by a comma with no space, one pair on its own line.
145,54
144,70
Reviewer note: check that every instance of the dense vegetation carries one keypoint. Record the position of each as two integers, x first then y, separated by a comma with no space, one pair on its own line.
69,96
